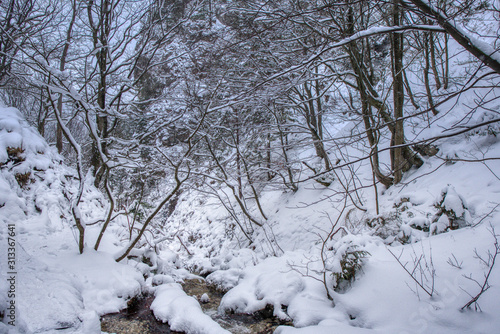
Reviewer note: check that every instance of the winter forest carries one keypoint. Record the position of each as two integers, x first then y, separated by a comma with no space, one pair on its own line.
249,166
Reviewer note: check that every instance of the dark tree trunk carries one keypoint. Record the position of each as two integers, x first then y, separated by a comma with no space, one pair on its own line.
397,160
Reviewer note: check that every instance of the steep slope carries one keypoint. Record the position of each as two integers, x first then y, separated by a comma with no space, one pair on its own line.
51,288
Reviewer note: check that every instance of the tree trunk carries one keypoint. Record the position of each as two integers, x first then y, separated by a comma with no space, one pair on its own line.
432,46
270,174
100,35
62,66
397,160
314,121
365,96
428,90
239,171
408,90
447,63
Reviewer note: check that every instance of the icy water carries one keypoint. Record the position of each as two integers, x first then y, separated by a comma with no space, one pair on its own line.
138,318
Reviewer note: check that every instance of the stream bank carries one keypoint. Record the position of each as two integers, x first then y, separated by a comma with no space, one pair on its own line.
139,319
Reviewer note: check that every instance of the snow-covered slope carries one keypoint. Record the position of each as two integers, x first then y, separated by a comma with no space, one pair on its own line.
291,263
56,289
441,222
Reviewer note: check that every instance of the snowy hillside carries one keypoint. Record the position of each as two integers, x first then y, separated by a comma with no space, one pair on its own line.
249,167
441,223
287,268
54,288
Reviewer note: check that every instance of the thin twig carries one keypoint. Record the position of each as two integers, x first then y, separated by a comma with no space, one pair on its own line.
187,250
486,285
411,274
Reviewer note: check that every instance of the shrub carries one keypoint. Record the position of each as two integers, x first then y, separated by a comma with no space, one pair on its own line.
350,264
347,261
452,212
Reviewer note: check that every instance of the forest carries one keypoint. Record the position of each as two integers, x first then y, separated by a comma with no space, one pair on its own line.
248,166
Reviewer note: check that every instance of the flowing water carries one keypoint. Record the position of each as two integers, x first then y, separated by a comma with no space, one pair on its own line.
138,318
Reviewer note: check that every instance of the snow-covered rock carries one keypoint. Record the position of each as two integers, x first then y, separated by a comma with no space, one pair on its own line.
182,312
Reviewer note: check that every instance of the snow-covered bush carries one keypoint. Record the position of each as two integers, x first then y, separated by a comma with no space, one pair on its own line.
386,225
22,150
407,221
347,262
20,145
35,194
484,117
350,264
34,172
452,212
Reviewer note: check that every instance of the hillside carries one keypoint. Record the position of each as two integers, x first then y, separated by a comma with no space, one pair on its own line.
309,233
246,166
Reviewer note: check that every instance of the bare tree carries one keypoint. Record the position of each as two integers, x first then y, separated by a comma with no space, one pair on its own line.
480,50
18,18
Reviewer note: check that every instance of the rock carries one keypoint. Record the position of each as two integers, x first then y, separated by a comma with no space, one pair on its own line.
204,298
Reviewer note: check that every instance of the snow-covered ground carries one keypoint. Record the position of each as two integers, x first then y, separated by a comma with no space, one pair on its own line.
461,182
289,266
56,289
383,298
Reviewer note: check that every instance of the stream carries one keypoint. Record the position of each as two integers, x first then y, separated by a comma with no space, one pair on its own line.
139,319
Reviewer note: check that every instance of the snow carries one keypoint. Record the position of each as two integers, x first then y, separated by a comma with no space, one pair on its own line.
162,279
103,292
386,300
50,299
57,289
383,298
441,225
60,288
225,279
204,298
324,327
61,291
271,282
182,312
